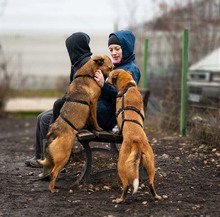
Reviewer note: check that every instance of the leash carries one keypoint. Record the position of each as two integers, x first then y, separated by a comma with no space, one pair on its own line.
123,108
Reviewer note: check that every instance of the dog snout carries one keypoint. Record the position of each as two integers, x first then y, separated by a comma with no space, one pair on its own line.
108,81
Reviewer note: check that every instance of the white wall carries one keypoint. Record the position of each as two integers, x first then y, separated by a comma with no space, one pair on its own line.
36,60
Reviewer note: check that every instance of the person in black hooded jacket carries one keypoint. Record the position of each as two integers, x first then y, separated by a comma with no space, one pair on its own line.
79,52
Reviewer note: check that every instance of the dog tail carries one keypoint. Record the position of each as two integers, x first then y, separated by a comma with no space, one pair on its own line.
135,185
132,167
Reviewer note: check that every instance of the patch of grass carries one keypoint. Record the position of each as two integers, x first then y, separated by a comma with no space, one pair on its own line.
204,127
26,114
35,93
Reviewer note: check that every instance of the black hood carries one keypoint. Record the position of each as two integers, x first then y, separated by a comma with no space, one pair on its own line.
79,51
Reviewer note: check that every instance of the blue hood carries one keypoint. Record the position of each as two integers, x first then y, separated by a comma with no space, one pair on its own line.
127,42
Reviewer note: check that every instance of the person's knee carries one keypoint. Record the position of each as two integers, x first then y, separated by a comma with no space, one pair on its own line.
58,104
45,119
39,117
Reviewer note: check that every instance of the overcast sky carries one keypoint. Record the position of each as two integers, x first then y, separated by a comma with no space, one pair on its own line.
70,15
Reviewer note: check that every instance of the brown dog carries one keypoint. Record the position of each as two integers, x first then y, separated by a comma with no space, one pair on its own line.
135,148
79,108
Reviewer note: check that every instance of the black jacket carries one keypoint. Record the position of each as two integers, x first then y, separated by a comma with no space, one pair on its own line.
79,52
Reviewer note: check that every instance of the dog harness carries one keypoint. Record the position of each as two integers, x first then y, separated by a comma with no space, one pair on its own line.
123,108
78,76
68,122
77,101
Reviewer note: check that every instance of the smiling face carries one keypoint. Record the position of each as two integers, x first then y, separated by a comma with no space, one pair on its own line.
116,53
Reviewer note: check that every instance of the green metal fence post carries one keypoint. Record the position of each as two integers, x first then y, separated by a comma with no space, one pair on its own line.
144,74
184,82
115,26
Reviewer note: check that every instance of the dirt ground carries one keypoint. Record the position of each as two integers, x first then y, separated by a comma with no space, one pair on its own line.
187,177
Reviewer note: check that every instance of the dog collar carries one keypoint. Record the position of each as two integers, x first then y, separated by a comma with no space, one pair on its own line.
78,76
125,90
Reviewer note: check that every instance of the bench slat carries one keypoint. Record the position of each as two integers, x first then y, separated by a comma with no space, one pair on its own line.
103,134
85,135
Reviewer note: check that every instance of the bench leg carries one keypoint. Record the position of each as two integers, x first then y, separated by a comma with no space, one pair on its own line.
81,161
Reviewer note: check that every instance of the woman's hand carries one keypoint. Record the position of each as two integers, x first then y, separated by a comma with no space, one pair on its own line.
99,78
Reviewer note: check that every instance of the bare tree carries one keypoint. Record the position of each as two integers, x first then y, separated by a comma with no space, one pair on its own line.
3,4
202,19
4,80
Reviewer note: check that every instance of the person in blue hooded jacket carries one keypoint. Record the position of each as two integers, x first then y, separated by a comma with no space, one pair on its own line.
121,47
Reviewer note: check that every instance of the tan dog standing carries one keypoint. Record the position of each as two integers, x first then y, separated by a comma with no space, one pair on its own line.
79,108
135,148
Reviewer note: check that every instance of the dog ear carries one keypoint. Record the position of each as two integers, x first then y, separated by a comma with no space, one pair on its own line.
114,76
114,80
99,61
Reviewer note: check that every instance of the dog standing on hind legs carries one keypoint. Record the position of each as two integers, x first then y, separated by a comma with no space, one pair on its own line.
135,148
79,108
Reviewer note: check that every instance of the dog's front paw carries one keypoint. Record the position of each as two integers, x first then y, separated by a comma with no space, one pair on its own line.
54,189
157,197
118,200
99,129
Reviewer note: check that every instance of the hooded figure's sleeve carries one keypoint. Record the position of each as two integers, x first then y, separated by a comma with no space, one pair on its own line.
109,93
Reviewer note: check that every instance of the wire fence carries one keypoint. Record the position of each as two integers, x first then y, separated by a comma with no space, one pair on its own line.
164,76
164,83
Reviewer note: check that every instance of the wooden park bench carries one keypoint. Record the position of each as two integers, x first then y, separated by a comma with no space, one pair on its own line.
89,143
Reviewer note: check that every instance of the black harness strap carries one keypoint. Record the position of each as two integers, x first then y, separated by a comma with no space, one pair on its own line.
130,120
123,108
77,101
79,76
68,122
124,91
130,108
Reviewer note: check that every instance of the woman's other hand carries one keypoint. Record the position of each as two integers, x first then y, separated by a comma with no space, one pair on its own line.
99,78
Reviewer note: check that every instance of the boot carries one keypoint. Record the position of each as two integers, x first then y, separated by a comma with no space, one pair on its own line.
46,171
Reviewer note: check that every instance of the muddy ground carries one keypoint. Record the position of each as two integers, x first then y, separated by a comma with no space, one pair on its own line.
187,177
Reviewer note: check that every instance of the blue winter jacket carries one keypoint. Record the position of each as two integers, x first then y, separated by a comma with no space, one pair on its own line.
106,107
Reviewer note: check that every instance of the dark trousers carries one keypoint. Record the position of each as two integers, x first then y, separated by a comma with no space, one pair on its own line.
44,120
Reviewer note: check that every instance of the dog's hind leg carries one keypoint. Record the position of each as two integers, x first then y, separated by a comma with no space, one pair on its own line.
125,185
122,198
53,176
93,116
148,162
124,179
